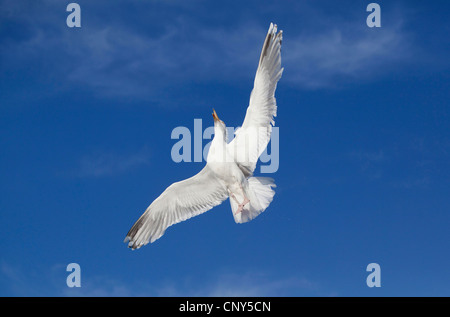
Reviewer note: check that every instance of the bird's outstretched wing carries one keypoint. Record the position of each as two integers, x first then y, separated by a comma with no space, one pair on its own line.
254,135
180,201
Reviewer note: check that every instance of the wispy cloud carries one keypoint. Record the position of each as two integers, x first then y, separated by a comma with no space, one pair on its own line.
369,156
370,162
23,282
344,53
223,285
18,281
251,284
117,60
104,163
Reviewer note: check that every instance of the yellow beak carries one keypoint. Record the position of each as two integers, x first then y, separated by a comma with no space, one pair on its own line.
214,114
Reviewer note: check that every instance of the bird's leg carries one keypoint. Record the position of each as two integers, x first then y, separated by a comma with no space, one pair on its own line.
234,197
245,202
240,207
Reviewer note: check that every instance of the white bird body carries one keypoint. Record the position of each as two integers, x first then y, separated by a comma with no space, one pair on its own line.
229,167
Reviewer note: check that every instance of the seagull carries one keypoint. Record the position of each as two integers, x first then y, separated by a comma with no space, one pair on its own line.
228,172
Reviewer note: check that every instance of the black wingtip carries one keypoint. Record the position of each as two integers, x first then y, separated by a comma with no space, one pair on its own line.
265,47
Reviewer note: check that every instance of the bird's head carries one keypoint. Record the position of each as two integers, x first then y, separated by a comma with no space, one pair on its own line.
219,125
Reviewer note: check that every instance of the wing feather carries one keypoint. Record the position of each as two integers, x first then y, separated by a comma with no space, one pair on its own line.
179,202
254,135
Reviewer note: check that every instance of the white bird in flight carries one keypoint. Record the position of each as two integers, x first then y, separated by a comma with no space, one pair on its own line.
229,169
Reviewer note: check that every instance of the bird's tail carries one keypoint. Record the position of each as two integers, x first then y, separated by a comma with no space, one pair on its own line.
260,194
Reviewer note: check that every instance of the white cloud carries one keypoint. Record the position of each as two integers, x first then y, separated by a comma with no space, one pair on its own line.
102,163
116,60
344,54
371,163
239,284
51,281
251,284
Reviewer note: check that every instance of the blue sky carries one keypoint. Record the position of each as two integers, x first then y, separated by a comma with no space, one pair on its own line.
86,117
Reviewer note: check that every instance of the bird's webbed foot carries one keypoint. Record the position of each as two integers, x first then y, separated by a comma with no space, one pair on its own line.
241,206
